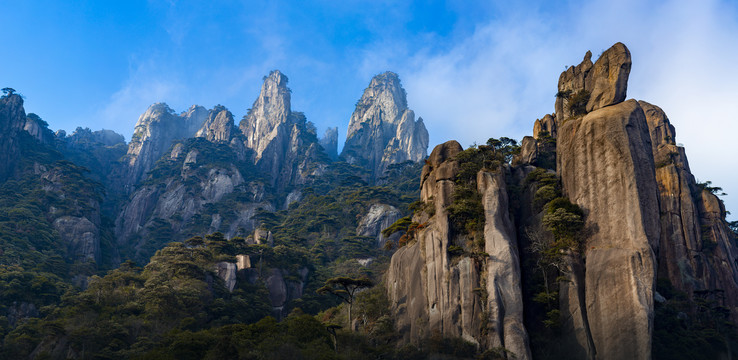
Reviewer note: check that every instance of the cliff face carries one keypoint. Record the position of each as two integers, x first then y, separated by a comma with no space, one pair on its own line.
285,145
185,196
382,130
155,131
12,120
606,167
476,297
218,126
644,217
69,202
696,254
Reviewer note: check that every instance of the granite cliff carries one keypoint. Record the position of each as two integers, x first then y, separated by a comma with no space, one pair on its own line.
284,143
610,171
382,130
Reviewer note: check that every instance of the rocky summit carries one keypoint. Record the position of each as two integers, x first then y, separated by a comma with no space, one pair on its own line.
382,130
200,238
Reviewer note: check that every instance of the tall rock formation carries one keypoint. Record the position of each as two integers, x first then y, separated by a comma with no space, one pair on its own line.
12,120
382,130
218,126
285,145
69,201
606,167
695,252
476,297
329,142
645,215
155,131
605,82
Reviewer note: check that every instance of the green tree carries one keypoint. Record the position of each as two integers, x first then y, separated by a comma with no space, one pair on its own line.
345,288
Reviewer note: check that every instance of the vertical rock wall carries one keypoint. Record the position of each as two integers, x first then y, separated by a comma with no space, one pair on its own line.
478,299
606,167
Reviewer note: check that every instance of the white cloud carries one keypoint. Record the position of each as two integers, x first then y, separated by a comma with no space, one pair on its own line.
144,86
499,80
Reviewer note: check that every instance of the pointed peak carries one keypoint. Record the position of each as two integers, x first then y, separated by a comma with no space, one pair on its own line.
387,78
161,106
276,77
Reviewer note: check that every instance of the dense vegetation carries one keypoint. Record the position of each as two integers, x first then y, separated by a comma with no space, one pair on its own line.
174,304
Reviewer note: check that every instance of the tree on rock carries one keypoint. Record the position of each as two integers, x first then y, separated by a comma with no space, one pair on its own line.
345,288
8,91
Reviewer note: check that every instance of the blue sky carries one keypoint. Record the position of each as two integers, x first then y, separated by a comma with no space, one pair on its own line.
472,69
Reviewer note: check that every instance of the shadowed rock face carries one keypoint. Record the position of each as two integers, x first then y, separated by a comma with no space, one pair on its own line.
12,120
382,130
695,252
430,291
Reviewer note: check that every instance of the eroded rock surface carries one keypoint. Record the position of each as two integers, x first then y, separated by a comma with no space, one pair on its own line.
433,291
606,167
155,131
285,144
382,130
695,251
218,126
605,81
377,218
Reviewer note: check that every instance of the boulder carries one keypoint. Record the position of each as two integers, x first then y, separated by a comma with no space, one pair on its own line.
606,81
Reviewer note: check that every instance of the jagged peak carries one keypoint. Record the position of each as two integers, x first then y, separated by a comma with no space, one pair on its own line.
277,77
381,85
593,86
218,126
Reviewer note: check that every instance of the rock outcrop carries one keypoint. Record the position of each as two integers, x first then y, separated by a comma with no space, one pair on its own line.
218,126
12,120
605,82
606,167
477,298
84,138
695,252
382,130
285,145
329,142
376,219
39,129
547,123
156,130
